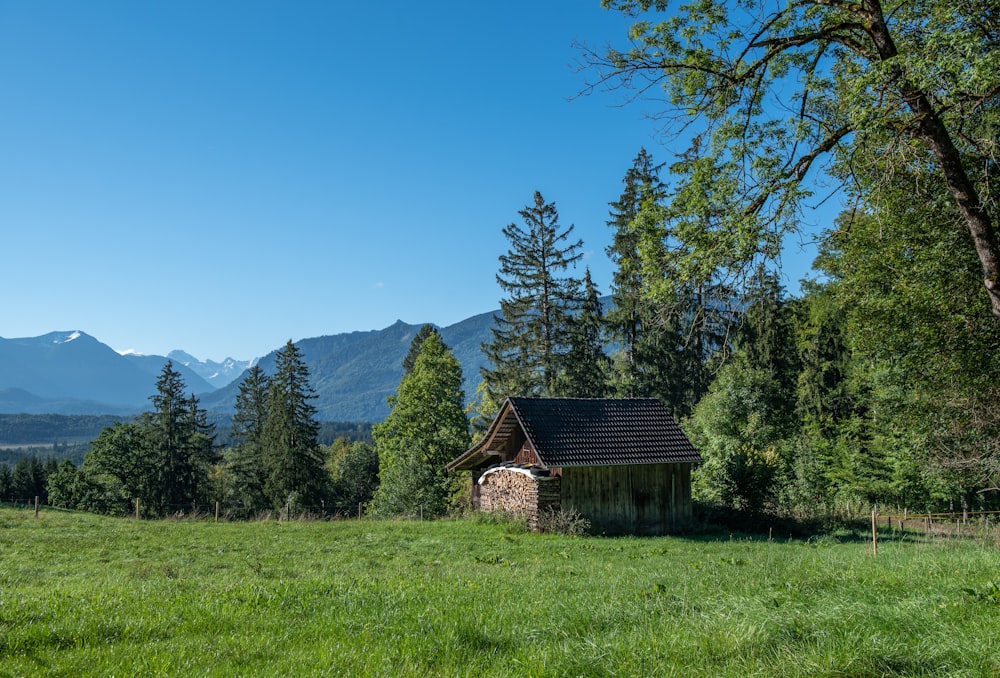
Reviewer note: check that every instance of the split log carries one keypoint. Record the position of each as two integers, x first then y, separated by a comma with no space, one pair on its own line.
519,492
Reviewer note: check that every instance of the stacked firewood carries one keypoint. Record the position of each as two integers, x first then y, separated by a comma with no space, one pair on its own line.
522,492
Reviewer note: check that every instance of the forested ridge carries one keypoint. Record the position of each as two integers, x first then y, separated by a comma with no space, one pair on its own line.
29,429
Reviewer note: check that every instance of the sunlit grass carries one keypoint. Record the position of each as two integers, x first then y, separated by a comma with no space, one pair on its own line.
87,595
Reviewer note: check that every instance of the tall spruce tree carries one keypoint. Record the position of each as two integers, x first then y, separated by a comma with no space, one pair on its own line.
631,321
585,365
532,331
179,444
766,337
296,477
426,428
663,340
247,458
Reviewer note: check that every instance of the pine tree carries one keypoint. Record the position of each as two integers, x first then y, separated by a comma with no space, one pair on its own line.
6,482
411,355
426,428
662,348
179,444
631,318
585,365
199,447
296,478
531,332
766,338
247,460
28,479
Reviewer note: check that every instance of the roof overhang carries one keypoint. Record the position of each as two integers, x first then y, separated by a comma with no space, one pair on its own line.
491,445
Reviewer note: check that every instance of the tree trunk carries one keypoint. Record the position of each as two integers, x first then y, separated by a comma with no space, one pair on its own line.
932,132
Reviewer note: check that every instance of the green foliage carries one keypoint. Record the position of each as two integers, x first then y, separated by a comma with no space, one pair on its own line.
117,470
62,486
355,477
411,356
28,429
247,458
766,93
666,328
632,322
426,428
296,477
989,594
28,480
741,430
482,409
531,334
908,282
162,459
584,371
178,448
6,480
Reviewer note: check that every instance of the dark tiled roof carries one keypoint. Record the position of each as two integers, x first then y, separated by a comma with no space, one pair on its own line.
587,432
602,432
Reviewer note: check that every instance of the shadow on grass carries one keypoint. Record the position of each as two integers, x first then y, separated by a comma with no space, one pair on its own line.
714,523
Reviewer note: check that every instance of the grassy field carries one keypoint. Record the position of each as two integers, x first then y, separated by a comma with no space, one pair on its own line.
88,595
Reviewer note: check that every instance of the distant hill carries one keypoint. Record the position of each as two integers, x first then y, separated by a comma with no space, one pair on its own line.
74,373
352,373
68,373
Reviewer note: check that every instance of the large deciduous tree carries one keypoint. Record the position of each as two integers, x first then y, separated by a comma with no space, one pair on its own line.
426,428
532,331
767,91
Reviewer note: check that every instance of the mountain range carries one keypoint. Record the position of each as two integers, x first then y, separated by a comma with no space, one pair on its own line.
352,373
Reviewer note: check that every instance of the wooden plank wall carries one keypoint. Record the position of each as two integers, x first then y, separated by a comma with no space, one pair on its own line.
648,499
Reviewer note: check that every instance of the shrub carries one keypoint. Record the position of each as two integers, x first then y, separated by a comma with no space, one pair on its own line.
557,521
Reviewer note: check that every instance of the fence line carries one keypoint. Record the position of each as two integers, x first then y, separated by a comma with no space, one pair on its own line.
927,520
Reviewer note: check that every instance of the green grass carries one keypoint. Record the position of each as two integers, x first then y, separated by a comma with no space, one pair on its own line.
88,595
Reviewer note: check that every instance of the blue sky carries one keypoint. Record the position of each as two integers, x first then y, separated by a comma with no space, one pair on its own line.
220,177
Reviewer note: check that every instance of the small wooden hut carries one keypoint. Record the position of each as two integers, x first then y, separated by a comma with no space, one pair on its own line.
623,464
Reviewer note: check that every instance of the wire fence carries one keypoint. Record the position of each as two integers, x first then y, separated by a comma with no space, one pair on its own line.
214,511
979,525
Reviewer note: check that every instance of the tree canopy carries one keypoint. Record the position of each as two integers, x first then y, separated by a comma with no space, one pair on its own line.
426,428
768,94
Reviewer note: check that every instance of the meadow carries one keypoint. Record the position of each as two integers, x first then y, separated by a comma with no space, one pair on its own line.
89,595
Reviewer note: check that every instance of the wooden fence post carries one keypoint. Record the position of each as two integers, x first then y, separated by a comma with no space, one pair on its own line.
137,508
36,506
216,511
874,532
